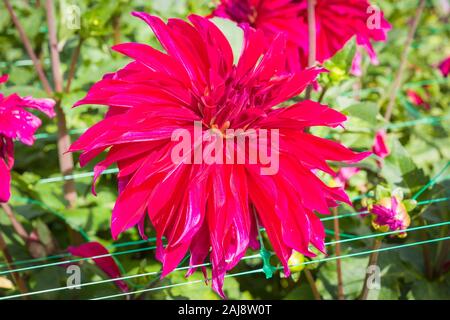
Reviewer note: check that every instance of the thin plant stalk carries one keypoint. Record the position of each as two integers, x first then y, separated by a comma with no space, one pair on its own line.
66,163
29,49
311,41
442,257
20,283
18,227
427,260
357,86
322,94
373,260
403,61
312,284
73,65
340,282
116,29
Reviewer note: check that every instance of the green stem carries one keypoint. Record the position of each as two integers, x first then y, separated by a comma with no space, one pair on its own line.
9,261
373,259
340,282
403,60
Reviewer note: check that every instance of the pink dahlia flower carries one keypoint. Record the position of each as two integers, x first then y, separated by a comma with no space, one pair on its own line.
104,261
390,215
380,147
444,66
344,175
212,209
337,21
17,123
272,17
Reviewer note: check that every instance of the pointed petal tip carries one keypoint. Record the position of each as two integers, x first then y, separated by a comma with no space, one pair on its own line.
196,17
121,46
220,292
138,14
145,16
363,155
79,103
287,271
114,231
164,272
93,189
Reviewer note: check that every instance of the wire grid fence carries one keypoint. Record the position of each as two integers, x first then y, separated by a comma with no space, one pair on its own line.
33,264
253,256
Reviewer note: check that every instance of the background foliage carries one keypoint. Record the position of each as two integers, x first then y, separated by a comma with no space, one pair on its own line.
418,139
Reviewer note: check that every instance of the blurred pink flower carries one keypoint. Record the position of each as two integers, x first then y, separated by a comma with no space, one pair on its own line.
17,123
272,17
105,262
356,64
212,209
380,147
344,175
415,98
444,66
337,21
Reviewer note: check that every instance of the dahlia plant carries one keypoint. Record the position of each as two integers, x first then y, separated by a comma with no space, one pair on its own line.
220,152
213,209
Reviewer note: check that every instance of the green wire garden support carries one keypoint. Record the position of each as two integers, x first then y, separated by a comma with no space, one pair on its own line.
123,244
264,254
304,263
150,240
255,256
432,182
58,263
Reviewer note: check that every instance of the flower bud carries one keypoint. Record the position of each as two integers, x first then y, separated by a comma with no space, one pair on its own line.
296,262
390,214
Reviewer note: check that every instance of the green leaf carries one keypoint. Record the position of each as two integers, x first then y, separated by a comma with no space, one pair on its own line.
366,112
400,170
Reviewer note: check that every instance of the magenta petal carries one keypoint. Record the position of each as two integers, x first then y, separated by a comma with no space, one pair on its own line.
380,147
44,105
152,58
199,248
4,78
416,99
345,174
16,122
6,164
444,66
356,64
106,263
